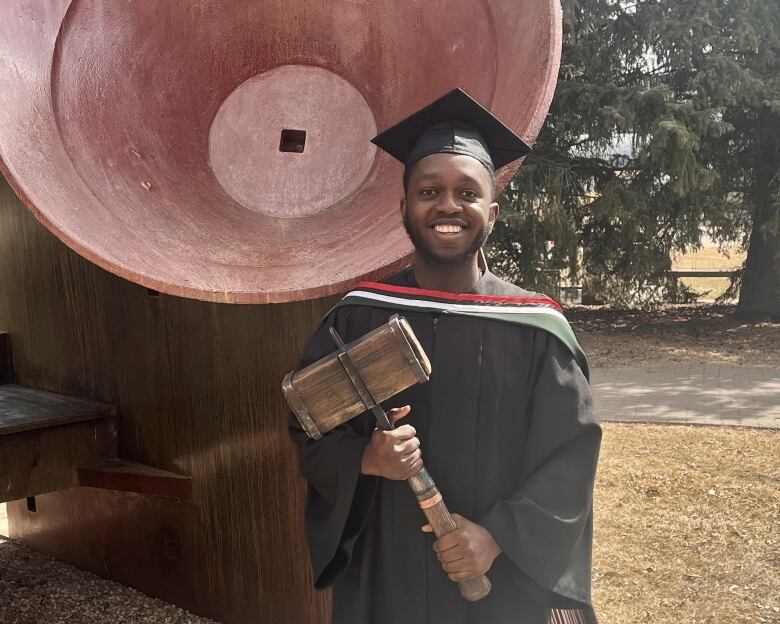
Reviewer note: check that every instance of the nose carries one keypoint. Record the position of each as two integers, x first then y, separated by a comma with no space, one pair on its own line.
449,203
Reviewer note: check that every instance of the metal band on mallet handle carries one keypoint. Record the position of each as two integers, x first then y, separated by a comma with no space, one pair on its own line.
428,496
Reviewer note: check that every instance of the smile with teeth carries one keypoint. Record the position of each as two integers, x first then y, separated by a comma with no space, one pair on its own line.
447,229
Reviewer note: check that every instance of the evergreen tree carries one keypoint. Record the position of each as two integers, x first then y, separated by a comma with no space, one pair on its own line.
666,119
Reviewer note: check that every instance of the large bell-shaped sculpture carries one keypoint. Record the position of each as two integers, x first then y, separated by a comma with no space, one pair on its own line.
217,151
221,150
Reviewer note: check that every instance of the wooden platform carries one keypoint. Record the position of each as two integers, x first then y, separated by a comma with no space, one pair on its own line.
51,442
46,437
27,409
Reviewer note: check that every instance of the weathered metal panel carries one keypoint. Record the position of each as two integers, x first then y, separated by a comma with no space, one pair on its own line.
196,386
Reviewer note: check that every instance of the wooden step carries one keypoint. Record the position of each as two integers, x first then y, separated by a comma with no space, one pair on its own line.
128,476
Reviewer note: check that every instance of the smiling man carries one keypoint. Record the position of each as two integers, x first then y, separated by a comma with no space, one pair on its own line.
505,426
448,213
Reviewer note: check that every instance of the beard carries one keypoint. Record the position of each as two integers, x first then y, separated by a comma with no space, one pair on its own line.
431,257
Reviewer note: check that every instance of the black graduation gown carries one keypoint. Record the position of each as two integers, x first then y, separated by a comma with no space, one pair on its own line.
507,431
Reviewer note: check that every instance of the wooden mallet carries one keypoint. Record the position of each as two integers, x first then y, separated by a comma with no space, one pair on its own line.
355,378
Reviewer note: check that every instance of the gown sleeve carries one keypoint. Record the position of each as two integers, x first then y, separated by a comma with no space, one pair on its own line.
338,496
545,527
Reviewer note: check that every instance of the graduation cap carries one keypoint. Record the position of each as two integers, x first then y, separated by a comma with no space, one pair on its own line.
454,124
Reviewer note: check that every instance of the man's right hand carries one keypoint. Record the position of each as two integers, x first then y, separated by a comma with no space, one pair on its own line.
393,454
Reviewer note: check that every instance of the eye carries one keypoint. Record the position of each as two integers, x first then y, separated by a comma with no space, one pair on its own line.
428,192
470,194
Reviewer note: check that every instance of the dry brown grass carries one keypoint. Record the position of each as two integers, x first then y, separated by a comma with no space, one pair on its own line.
709,257
687,525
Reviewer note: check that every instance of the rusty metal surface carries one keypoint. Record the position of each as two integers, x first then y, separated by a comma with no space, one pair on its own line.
196,388
148,136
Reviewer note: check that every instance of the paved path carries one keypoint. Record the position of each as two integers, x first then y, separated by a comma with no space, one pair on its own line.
701,394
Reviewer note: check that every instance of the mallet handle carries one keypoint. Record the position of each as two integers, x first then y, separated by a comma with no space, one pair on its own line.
422,485
432,504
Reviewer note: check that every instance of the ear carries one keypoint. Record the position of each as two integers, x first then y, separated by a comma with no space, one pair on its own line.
402,206
493,213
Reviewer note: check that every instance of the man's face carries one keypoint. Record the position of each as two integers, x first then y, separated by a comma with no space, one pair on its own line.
448,211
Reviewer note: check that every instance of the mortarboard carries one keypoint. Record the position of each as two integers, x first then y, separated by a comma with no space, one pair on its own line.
454,124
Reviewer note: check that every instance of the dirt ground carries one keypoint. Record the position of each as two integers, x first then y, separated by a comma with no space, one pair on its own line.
674,334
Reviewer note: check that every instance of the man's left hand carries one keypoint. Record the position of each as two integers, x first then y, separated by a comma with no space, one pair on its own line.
467,552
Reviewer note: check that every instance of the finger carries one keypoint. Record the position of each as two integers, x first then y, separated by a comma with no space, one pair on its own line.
412,457
406,452
409,446
446,542
457,566
404,432
398,413
457,577
450,556
427,528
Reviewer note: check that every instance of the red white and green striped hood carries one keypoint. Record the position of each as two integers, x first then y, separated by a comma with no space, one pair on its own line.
534,311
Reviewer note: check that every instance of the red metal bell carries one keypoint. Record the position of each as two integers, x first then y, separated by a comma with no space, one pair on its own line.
221,151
